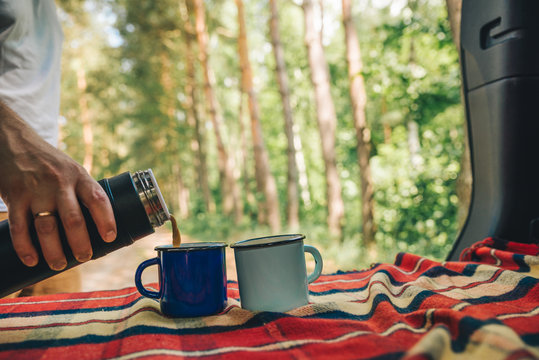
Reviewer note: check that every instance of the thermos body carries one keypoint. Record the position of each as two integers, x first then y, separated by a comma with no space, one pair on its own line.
138,208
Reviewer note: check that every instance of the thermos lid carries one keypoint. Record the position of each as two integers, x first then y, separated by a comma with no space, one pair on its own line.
191,246
268,241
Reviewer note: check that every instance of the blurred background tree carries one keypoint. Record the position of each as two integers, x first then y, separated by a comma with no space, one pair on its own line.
199,92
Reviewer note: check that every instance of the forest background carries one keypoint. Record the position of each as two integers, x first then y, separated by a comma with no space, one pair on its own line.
341,120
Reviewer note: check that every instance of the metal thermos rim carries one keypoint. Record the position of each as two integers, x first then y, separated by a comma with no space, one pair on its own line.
151,197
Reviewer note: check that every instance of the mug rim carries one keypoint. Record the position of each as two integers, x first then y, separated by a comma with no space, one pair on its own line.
259,241
198,246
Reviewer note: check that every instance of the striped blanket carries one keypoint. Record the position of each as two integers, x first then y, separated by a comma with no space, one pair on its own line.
484,307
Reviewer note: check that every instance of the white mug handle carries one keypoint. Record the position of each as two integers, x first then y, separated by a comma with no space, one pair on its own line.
319,264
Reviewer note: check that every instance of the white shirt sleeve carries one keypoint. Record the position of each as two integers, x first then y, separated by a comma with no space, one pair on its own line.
30,51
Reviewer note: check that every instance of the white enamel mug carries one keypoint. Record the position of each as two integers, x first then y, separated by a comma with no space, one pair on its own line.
272,274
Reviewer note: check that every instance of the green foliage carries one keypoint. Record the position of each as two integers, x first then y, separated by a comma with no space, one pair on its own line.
134,57
416,208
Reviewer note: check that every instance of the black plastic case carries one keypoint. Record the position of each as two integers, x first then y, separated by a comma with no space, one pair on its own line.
500,68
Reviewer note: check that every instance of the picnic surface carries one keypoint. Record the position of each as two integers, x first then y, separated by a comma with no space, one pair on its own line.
486,307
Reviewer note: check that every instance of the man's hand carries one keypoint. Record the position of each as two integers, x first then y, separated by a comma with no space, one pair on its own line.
37,178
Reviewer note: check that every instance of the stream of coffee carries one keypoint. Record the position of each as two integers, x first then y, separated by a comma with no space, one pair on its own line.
176,236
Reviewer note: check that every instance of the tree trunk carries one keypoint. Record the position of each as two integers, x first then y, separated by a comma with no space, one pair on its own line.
454,9
168,99
249,196
327,119
302,169
282,78
181,190
230,189
414,144
198,144
358,96
465,179
87,132
168,107
387,127
265,180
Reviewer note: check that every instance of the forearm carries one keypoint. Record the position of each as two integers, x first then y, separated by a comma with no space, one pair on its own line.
20,147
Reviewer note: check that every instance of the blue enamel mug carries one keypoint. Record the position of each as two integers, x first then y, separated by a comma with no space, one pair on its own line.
192,279
272,274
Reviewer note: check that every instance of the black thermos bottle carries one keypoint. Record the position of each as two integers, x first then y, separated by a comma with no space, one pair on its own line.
138,208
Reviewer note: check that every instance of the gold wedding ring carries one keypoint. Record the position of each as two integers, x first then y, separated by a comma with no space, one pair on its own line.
43,214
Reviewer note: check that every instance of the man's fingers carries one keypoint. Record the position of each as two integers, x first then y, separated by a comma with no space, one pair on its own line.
74,226
98,203
20,236
49,239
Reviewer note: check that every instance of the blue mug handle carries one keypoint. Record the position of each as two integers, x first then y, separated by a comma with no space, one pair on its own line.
138,282
318,262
